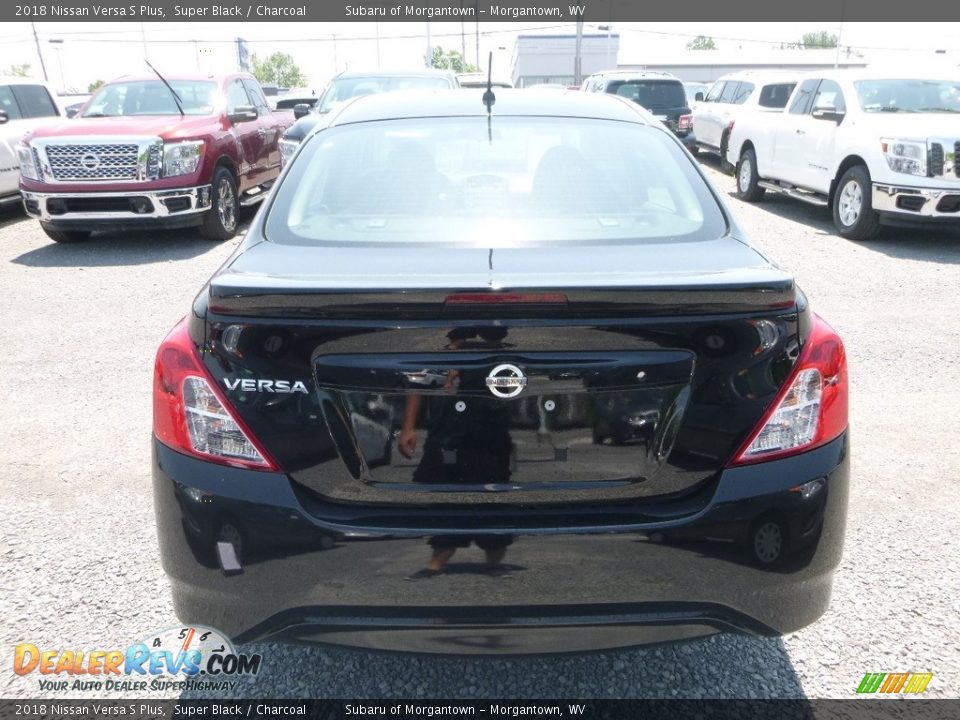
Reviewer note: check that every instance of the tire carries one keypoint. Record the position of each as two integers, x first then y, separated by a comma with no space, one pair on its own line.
65,236
748,188
220,222
853,213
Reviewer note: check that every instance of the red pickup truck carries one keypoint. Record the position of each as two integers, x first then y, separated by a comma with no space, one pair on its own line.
147,152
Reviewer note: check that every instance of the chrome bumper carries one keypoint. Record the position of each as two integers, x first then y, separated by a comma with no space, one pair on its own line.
53,207
917,202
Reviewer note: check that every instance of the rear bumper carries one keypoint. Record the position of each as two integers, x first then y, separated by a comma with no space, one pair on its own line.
179,207
571,590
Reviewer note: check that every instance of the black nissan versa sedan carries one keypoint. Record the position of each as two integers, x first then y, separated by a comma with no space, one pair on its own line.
505,382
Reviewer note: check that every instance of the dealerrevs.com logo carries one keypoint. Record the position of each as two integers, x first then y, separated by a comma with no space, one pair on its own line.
181,658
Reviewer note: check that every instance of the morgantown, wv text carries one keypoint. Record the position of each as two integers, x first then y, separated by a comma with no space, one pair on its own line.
495,710
463,12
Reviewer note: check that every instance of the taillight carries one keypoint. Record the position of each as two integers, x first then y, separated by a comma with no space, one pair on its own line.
685,122
192,416
811,409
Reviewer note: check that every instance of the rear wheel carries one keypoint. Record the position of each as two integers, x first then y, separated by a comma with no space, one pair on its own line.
65,236
220,222
748,180
853,213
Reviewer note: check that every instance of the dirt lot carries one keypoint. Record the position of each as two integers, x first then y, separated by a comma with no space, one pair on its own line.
80,566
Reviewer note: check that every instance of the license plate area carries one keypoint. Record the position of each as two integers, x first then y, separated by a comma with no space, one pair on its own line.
580,424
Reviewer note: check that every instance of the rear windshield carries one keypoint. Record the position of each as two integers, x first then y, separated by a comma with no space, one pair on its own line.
345,88
521,180
651,94
152,97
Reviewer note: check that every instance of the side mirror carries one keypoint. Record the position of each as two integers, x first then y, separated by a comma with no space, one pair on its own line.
4,117
698,97
828,112
71,112
300,109
242,113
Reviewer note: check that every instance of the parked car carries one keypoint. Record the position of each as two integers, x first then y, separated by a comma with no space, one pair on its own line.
660,93
692,89
72,104
348,85
479,80
619,361
24,106
733,95
292,98
152,153
875,147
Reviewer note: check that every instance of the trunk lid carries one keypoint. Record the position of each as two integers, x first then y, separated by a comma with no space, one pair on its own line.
520,380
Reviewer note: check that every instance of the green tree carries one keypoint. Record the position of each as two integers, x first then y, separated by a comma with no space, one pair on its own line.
277,69
18,70
702,42
818,40
94,86
451,60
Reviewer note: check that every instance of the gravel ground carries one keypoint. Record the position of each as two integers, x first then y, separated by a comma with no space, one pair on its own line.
79,565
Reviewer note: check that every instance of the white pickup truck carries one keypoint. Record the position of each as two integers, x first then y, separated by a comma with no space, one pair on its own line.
874,147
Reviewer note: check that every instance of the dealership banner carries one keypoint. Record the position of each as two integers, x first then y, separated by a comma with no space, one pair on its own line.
140,709
480,10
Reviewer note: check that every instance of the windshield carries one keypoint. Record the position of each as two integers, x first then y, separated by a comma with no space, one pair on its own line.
521,181
651,94
152,97
913,96
346,88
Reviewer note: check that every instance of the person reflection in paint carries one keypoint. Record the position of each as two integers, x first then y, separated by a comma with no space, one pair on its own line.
468,443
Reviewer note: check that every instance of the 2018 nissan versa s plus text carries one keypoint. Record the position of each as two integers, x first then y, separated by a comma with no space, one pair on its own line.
499,383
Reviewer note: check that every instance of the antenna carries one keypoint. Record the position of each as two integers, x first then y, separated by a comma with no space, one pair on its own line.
488,97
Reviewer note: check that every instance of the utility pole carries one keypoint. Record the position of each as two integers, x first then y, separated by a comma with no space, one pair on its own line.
577,69
463,38
58,47
143,38
43,67
428,58
336,65
377,25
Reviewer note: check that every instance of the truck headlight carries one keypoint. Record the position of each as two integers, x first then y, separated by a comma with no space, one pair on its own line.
28,163
905,156
287,150
181,158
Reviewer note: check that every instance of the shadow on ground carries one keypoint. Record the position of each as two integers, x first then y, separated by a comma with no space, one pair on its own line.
111,249
935,243
721,666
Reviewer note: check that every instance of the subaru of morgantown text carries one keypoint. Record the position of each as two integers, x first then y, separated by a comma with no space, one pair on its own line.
499,381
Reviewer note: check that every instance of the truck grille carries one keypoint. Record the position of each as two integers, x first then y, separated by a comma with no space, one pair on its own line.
942,156
108,161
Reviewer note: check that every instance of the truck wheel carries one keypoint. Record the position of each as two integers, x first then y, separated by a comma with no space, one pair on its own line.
220,222
853,212
747,177
65,236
